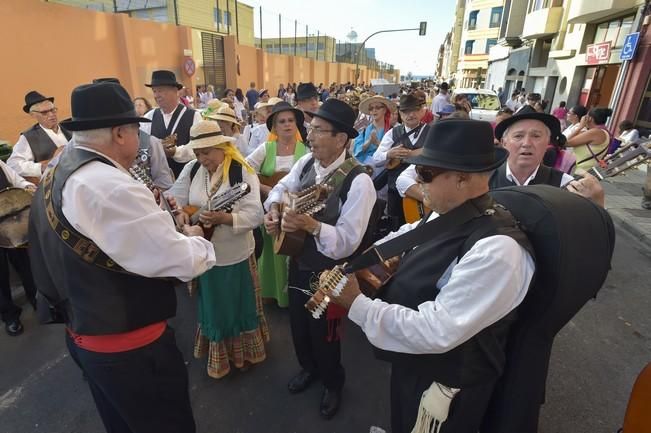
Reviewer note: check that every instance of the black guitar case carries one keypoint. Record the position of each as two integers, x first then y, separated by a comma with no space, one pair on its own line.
573,241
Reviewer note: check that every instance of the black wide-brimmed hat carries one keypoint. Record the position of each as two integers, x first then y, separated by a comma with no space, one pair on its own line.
34,97
410,102
339,114
101,105
550,121
284,106
164,78
306,91
106,80
461,145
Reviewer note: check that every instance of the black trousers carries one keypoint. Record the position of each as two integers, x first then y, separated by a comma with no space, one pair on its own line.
310,336
19,258
407,387
139,391
394,208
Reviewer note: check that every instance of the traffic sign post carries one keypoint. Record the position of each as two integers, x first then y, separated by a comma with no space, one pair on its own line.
630,46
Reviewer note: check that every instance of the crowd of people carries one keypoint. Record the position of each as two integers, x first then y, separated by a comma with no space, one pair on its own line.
108,272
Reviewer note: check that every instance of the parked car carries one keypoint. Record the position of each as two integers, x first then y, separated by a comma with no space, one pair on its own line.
485,103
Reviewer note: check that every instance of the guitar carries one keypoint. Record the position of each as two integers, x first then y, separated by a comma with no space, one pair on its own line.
169,142
371,279
413,209
223,202
307,202
273,179
139,174
332,282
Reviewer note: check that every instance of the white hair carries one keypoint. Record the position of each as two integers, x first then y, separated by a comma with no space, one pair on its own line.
92,137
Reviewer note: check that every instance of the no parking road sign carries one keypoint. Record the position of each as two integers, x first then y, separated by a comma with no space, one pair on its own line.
630,45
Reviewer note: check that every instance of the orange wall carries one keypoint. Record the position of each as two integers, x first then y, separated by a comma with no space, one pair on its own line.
65,46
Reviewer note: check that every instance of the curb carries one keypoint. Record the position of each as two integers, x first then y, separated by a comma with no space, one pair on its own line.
632,229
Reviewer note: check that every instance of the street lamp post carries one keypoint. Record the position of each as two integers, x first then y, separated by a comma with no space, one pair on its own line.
421,32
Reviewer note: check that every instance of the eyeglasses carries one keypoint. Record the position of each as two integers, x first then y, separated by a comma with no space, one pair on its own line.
317,130
427,174
52,110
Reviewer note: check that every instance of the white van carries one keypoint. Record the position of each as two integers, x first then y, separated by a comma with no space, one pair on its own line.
485,103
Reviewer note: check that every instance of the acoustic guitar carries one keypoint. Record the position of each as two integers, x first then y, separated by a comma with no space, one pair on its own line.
309,201
223,202
413,209
273,179
332,282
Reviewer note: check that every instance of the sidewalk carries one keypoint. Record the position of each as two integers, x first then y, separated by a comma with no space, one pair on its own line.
623,197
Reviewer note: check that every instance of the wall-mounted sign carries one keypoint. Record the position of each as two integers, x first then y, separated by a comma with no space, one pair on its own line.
598,53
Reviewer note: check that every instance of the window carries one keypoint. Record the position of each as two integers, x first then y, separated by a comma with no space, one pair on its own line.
614,31
469,45
472,20
496,17
227,18
490,43
218,16
321,46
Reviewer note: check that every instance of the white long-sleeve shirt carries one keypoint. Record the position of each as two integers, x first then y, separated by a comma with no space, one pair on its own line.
105,204
342,239
22,158
489,281
14,178
183,153
380,155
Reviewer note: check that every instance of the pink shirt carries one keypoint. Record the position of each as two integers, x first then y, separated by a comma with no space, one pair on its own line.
560,113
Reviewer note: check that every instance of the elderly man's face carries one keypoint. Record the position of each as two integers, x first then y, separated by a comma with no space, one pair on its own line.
45,114
526,141
167,97
326,146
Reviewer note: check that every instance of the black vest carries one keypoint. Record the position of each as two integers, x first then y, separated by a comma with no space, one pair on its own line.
41,144
4,181
94,300
544,176
310,259
482,357
182,131
399,136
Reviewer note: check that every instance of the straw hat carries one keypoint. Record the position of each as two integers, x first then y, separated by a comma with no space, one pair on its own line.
225,113
207,134
270,103
364,104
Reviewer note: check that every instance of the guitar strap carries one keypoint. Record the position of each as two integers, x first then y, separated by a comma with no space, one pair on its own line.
468,211
416,130
175,116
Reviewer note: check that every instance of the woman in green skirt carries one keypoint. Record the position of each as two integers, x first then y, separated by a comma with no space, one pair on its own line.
232,327
272,160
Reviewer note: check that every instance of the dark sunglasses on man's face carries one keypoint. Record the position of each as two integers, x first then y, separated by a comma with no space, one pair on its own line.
427,174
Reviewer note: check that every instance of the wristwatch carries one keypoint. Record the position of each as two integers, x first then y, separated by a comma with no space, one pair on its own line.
317,230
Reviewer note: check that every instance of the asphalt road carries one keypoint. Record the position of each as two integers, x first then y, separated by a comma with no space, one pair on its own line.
595,361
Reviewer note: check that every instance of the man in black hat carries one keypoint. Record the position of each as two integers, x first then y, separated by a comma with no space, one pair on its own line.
401,142
443,318
98,271
442,98
527,137
307,100
332,236
38,144
171,121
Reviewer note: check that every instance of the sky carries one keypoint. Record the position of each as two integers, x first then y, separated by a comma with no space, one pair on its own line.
407,51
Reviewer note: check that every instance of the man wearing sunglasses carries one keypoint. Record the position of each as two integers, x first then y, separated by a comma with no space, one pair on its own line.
40,143
453,292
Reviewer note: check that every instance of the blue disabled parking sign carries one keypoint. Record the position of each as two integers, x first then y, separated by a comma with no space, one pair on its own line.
630,45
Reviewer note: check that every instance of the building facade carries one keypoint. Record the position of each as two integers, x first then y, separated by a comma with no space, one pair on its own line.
481,26
313,47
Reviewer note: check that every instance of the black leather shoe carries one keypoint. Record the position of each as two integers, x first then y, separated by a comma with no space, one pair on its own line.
14,327
330,403
301,382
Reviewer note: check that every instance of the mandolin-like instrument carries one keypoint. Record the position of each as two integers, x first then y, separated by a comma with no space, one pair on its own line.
139,174
309,201
223,202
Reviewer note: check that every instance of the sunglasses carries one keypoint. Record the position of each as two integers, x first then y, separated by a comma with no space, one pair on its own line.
427,174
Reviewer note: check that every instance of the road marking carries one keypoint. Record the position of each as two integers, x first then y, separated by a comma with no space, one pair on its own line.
14,395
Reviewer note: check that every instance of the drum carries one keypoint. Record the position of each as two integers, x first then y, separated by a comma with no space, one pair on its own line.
14,217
